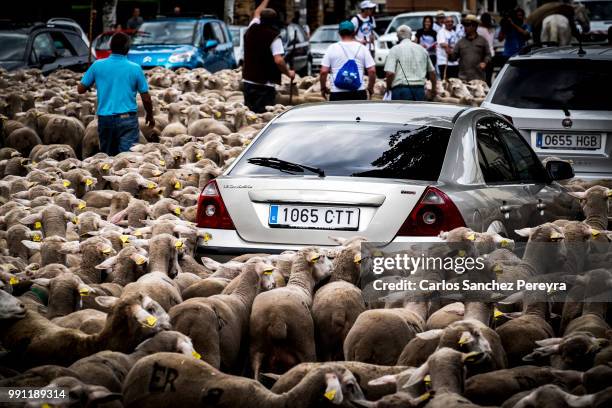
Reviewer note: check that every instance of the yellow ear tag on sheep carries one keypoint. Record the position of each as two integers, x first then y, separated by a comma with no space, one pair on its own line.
497,314
106,250
81,205
38,225
268,271
207,237
461,253
217,114
594,233
498,269
427,380
84,292
471,237
88,182
177,210
75,220
555,236
315,258
151,186
66,183
14,280
504,243
151,321
357,258
106,167
330,395
424,397
178,244
156,173
138,233
196,354
140,260
609,193
125,239
178,185
198,155
36,238
162,162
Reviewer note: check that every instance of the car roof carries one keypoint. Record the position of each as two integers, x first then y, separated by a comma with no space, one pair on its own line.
591,52
187,19
427,13
396,112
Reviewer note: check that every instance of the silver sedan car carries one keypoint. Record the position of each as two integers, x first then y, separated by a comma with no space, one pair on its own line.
389,171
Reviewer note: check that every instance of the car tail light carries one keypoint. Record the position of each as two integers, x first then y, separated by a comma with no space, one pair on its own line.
435,212
212,212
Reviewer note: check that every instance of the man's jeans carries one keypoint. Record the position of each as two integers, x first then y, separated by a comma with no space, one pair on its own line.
408,93
117,133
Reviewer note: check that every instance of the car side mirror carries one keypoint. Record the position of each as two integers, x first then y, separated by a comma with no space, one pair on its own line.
559,170
210,44
47,59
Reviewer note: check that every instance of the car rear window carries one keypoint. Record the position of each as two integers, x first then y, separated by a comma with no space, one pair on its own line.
12,46
556,84
398,151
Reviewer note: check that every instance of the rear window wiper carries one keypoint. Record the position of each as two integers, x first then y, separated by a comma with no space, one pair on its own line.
276,163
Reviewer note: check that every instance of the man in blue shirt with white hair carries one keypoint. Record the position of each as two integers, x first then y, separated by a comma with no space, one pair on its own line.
117,80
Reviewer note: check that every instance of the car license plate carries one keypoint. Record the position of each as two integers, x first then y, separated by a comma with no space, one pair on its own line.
297,216
567,141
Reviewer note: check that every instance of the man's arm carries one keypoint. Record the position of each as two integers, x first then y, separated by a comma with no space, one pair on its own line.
521,30
259,8
323,73
434,83
82,88
390,67
86,81
147,103
282,66
371,80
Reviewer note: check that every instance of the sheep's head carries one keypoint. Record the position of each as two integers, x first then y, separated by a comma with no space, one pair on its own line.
267,273
66,291
10,306
320,265
170,342
548,239
80,394
594,201
550,395
574,351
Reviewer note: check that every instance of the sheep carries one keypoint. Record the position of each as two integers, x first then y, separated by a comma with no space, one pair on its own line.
109,368
131,320
218,324
551,395
163,379
52,220
281,326
337,305
159,287
594,203
65,292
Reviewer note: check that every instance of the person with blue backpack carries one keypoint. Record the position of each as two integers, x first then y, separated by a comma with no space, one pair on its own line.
347,60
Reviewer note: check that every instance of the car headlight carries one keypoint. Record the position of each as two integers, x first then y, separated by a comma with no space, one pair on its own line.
181,57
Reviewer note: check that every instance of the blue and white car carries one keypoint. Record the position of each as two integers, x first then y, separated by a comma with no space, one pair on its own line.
183,42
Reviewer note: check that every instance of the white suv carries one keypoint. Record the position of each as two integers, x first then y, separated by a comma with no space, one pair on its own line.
560,99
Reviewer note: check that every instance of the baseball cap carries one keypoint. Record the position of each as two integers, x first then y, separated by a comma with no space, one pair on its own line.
346,26
366,4
470,18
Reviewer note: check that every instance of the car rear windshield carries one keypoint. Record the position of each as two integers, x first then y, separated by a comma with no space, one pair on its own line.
12,46
599,10
325,35
165,32
556,84
398,151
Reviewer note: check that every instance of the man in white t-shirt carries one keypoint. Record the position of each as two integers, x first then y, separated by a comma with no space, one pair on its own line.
365,24
337,55
263,60
447,38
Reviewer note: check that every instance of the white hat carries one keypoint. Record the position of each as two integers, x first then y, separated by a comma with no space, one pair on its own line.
366,4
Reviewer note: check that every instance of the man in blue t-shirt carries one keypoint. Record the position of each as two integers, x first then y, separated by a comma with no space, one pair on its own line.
515,31
117,80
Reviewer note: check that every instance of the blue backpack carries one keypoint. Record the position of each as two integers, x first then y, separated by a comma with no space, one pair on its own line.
347,77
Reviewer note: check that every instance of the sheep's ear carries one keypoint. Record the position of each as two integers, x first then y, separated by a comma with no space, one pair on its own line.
549,342
119,216
541,352
581,195
443,235
434,334
270,376
418,375
31,219
333,391
106,301
523,232
42,281
139,259
108,263
337,240
472,357
112,179
210,263
72,247
34,246
385,379
102,396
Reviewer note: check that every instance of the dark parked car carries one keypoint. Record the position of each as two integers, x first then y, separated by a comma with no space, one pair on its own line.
45,46
101,44
297,49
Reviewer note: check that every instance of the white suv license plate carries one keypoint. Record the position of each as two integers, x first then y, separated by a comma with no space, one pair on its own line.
566,141
297,216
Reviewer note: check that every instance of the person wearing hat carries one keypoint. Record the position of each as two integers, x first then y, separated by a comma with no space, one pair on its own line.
365,24
472,51
263,59
335,58
407,67
439,23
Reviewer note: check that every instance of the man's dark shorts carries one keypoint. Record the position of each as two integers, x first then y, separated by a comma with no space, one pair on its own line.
349,96
118,133
257,97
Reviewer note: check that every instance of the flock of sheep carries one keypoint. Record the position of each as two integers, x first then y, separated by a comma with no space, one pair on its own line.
100,291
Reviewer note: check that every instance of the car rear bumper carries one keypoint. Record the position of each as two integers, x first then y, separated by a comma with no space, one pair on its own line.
226,244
